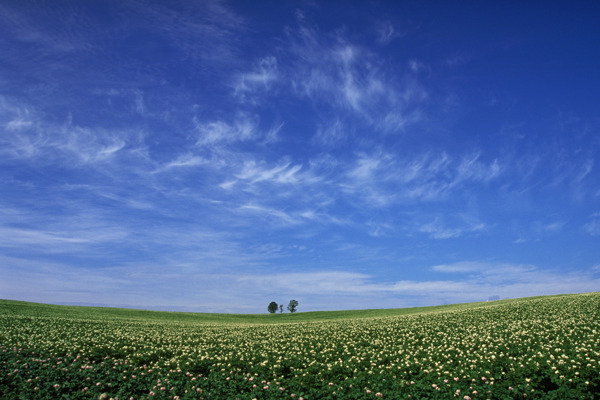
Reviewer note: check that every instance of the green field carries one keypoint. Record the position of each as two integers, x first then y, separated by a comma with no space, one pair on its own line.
539,347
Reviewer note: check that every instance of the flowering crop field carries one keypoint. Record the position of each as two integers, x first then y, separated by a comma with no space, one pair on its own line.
534,348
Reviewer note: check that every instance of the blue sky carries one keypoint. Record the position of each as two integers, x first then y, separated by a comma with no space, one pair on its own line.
215,156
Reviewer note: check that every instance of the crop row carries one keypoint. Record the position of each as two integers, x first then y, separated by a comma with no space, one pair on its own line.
542,348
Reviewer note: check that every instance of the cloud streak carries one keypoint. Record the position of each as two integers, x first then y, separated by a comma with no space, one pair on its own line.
199,151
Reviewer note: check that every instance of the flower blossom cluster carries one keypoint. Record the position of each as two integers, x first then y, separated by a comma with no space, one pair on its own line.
524,349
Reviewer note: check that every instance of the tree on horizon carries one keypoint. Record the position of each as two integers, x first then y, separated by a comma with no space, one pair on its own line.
292,306
272,307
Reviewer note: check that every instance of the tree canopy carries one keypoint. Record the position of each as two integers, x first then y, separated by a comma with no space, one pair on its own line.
272,307
292,306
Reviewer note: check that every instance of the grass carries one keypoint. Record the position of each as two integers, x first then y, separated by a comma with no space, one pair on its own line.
23,308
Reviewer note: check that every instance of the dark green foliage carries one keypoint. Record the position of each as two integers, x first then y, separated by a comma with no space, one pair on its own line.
272,307
293,304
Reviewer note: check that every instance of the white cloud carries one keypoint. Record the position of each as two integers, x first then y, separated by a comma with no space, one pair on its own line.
378,229
47,142
283,173
335,72
417,66
227,185
272,135
269,181
592,227
486,279
205,35
18,123
457,59
319,216
220,132
90,145
184,160
366,166
65,238
552,227
330,134
359,81
470,168
13,236
23,146
460,267
426,177
140,106
271,214
387,32
437,229
398,121
585,170
260,79
189,285
311,283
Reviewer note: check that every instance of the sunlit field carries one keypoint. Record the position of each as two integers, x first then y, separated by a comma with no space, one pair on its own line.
533,348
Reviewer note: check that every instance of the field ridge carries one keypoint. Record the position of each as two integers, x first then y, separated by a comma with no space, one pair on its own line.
26,308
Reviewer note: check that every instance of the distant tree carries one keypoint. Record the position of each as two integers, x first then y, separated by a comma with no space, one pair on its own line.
292,306
280,308
272,307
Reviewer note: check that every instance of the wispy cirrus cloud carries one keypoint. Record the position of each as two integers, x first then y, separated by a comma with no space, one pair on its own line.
592,227
184,160
203,33
16,236
388,32
461,267
438,229
241,129
427,176
332,70
72,144
283,173
271,181
74,235
270,213
248,85
376,181
31,136
331,133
